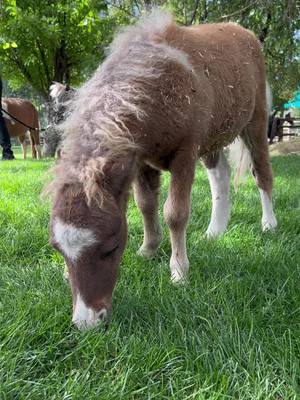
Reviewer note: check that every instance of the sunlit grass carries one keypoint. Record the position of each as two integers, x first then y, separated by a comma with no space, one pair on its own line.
232,333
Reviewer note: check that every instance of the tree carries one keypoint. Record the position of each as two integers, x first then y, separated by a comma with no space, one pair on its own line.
64,40
276,24
48,40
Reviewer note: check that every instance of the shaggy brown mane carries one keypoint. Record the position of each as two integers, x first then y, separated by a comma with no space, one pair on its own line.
115,95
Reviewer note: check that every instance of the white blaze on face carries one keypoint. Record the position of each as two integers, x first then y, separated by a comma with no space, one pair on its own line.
72,240
85,317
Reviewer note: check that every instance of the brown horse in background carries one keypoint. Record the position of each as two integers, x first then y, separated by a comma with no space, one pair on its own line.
25,112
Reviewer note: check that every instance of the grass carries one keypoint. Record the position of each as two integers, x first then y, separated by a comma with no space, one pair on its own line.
232,333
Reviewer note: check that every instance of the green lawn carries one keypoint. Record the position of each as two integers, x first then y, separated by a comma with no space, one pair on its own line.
232,333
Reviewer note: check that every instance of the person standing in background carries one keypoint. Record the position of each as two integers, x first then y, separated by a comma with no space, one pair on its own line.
7,153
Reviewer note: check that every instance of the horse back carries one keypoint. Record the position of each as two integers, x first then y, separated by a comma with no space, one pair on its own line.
24,111
230,79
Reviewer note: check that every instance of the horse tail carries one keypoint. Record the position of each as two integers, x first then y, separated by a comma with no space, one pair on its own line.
239,154
240,160
269,98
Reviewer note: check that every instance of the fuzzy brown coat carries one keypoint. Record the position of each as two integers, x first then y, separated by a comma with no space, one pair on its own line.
164,96
212,105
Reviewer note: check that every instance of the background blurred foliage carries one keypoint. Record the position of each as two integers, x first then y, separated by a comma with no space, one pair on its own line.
46,40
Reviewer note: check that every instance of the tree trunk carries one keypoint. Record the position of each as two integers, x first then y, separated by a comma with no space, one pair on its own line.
148,5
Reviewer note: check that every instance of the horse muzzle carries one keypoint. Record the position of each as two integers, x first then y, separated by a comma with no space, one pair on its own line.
85,317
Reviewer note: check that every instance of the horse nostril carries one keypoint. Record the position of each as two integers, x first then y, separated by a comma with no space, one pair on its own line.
102,314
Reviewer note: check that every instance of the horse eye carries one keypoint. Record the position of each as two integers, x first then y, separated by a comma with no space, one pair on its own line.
110,253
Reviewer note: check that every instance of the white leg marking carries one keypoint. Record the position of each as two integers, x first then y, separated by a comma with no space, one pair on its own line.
219,180
72,240
24,146
85,317
268,220
179,262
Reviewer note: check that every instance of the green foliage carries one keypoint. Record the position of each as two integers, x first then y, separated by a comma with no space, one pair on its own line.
276,23
42,41
64,40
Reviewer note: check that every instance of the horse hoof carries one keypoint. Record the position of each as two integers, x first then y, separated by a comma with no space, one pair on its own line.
178,279
211,234
269,225
146,253
66,274
66,277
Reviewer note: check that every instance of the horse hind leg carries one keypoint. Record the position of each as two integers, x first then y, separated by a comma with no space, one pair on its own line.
35,144
24,148
146,194
218,172
256,140
22,140
33,150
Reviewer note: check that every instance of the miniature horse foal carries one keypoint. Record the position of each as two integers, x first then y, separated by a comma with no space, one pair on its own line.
165,96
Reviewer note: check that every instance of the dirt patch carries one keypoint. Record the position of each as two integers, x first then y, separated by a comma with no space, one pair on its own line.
285,148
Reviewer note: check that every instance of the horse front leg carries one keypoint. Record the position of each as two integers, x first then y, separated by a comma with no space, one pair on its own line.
33,151
177,210
146,193
38,151
24,146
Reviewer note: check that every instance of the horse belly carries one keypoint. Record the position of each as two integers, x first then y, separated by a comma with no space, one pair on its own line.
14,128
160,164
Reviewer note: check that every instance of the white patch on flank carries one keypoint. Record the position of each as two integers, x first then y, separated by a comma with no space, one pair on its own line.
6,116
268,220
85,317
219,180
72,240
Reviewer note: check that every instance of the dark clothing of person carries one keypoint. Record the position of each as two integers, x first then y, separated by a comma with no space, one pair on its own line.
4,135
